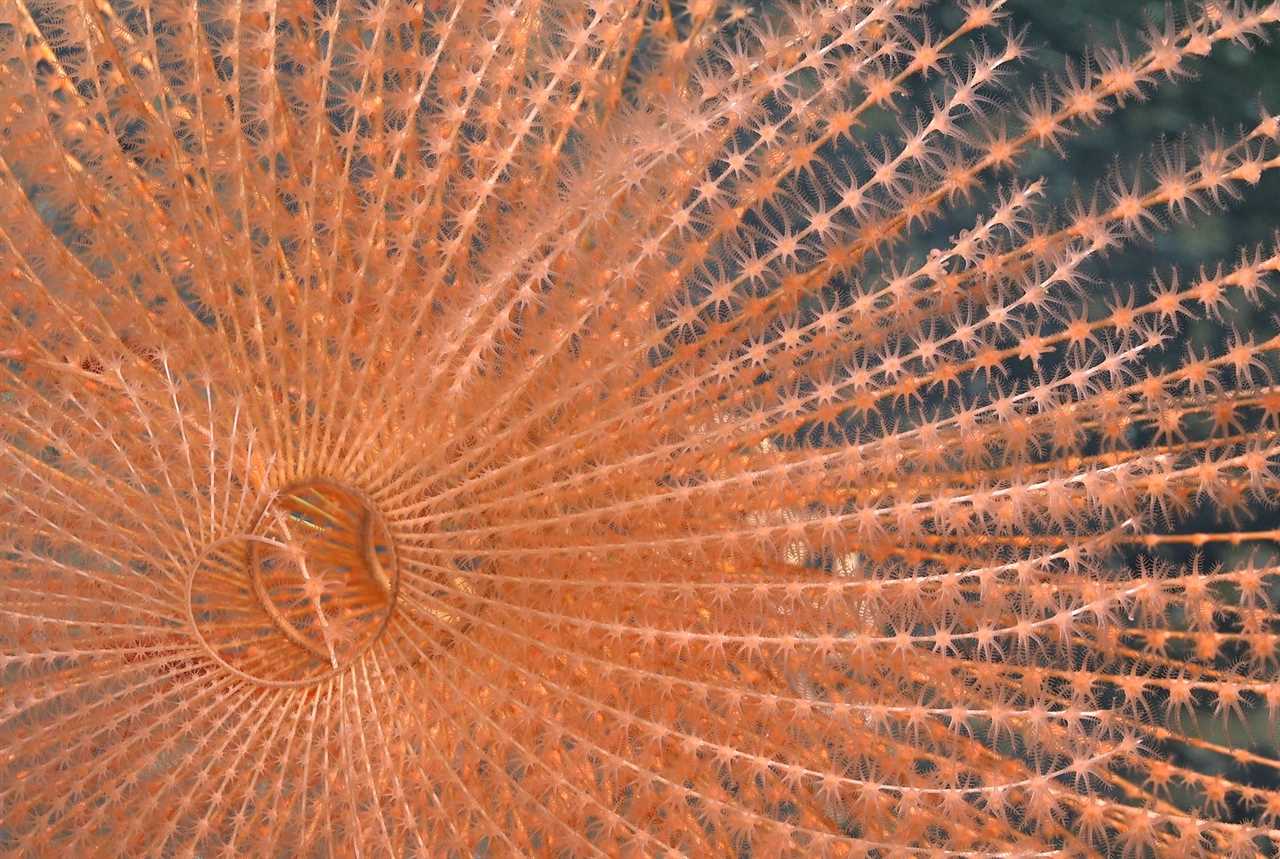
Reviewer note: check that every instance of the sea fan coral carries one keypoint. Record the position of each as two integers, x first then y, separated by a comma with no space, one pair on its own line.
557,428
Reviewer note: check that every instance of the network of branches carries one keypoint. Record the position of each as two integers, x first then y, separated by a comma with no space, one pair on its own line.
465,428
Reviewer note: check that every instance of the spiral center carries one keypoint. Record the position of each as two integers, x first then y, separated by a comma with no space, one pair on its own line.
304,594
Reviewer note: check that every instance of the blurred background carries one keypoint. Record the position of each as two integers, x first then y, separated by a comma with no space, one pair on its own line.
1229,91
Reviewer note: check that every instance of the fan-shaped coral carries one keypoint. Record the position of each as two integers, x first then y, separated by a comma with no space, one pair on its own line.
560,428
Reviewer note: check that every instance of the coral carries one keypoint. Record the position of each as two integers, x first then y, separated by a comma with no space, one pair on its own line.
557,428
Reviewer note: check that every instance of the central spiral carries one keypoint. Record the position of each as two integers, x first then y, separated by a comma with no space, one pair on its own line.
304,593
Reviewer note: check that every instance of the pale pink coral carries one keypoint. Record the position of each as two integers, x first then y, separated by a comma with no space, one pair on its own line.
524,428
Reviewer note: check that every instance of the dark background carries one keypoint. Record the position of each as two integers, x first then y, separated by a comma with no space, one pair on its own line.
1228,91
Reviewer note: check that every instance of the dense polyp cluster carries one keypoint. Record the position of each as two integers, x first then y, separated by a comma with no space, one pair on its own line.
546,427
